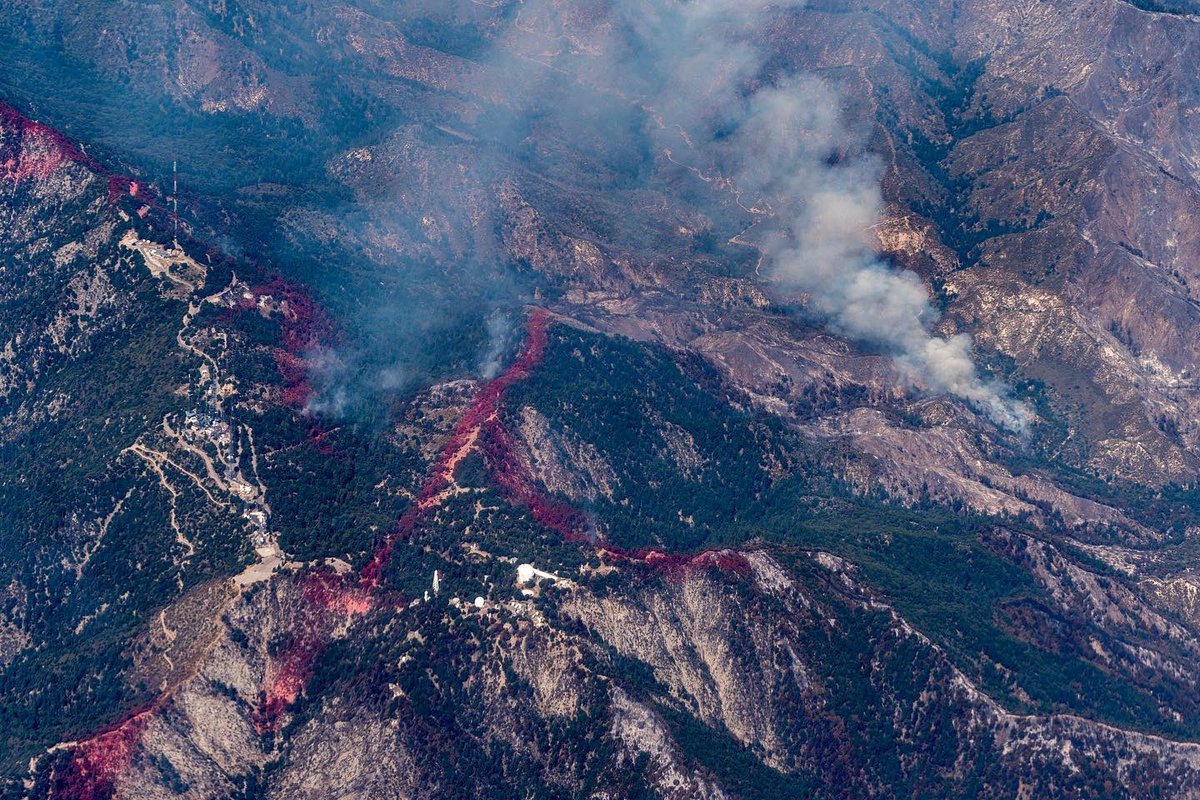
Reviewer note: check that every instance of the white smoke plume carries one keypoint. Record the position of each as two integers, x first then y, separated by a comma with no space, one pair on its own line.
824,212
500,331
784,143
699,77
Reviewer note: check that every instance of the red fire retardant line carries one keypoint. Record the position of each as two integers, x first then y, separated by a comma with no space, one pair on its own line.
98,762
294,667
677,566
305,331
483,415
331,599
42,150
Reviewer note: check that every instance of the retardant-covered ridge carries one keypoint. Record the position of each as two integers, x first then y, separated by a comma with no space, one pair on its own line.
332,599
40,150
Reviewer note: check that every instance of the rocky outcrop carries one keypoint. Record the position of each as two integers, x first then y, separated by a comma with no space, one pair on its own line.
564,463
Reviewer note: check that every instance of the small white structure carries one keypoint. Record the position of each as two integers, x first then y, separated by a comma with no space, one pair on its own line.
437,582
528,573
479,601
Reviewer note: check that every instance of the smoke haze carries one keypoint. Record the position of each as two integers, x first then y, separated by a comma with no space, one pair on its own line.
587,96
654,75
500,331
785,145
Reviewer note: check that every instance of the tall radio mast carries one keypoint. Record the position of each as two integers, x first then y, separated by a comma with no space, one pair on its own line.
175,200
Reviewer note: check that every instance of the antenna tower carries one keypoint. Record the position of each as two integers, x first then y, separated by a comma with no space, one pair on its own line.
175,201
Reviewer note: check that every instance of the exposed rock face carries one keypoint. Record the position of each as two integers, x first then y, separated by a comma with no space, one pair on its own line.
48,257
642,734
354,757
562,462
1111,623
685,635
747,653
1177,593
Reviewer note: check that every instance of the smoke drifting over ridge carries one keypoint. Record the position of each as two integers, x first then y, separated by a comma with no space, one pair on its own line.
709,96
500,334
565,84
784,143
822,249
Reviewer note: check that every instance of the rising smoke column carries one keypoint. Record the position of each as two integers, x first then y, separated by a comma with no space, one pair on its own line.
824,210
784,144
689,76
